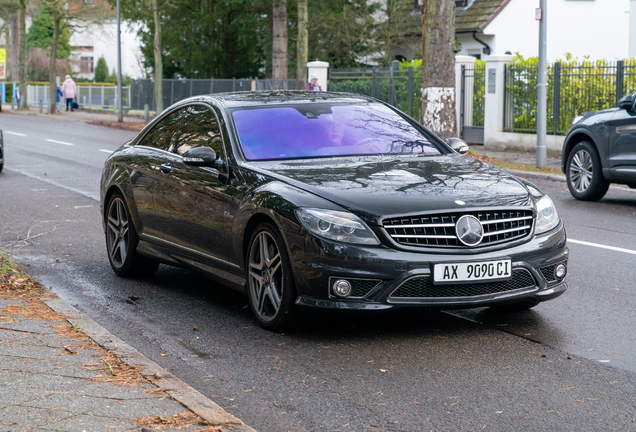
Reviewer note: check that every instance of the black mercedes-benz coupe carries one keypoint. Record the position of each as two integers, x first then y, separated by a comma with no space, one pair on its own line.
600,149
327,200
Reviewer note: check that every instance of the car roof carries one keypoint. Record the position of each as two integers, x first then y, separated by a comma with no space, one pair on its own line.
270,97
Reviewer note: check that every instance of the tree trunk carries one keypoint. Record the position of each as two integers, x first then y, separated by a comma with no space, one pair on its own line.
15,47
158,60
23,57
56,37
279,33
302,46
438,68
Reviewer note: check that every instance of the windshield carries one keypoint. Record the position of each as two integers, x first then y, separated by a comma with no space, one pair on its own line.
318,130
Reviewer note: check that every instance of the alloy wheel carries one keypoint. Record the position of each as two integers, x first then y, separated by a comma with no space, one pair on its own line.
266,276
581,170
117,232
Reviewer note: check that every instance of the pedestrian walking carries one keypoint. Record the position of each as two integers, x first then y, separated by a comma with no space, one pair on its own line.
313,84
69,91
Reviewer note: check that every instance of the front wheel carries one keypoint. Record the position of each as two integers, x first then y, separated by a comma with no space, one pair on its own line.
121,241
270,283
585,173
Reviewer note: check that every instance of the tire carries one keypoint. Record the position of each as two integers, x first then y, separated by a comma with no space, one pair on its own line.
514,307
122,240
584,173
270,282
1,159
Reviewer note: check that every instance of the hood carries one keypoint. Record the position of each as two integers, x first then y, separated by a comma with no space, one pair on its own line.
375,187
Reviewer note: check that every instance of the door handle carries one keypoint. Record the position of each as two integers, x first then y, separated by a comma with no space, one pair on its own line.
166,168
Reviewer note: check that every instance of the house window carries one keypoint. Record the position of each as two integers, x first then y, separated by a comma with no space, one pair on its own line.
86,65
461,3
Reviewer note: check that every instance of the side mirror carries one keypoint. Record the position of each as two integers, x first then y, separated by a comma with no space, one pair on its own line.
459,145
202,156
626,102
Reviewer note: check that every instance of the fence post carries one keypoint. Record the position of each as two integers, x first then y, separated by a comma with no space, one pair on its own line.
233,84
462,102
374,73
102,104
211,85
556,99
468,62
171,91
620,75
90,95
494,99
409,92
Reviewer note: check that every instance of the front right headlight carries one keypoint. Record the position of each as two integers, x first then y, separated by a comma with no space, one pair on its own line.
336,225
547,216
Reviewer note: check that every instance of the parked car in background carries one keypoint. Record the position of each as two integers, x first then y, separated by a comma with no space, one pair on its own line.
1,150
327,200
600,149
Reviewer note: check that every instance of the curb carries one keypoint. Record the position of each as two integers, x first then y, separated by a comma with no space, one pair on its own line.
532,174
173,386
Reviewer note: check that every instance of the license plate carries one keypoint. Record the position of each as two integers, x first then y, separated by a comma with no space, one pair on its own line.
472,271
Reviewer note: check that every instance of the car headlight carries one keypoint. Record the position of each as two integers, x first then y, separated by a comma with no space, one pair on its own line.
576,119
336,225
547,216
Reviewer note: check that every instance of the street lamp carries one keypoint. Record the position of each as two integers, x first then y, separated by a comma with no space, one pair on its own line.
120,105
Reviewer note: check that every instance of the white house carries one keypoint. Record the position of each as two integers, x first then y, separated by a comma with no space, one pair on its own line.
600,29
89,44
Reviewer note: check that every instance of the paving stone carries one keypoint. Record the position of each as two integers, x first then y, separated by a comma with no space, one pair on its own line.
10,302
30,417
26,364
30,325
37,385
133,408
89,423
108,390
70,401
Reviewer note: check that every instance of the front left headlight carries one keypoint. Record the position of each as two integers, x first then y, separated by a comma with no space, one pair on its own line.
547,216
336,225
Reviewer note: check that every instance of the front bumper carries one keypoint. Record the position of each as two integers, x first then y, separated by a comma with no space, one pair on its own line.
389,269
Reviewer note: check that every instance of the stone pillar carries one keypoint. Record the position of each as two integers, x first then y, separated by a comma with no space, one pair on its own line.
320,69
469,63
494,103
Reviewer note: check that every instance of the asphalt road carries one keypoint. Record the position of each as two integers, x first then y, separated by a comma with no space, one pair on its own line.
568,364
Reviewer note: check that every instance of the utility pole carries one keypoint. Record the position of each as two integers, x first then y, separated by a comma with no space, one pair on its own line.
120,105
542,85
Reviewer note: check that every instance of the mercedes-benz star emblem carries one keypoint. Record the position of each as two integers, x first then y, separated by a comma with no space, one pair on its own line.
469,230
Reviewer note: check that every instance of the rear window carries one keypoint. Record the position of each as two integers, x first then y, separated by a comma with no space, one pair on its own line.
319,130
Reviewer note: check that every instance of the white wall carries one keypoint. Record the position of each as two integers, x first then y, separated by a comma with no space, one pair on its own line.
103,39
598,28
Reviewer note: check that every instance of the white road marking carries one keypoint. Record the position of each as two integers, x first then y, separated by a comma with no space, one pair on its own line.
58,142
14,133
106,151
617,249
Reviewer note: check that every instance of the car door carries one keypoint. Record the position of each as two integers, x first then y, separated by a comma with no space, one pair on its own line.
145,174
194,197
622,148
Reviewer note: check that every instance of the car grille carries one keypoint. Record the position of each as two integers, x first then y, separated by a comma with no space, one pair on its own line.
422,287
359,287
439,229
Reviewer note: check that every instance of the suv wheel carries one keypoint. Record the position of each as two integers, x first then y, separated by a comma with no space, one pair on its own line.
584,173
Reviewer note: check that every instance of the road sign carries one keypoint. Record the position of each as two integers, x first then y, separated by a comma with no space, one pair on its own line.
3,64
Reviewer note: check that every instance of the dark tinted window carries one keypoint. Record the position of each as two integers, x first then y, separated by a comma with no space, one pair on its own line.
316,130
198,127
161,135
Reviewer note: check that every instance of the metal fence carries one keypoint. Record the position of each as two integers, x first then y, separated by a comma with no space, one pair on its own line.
87,96
395,86
573,88
174,90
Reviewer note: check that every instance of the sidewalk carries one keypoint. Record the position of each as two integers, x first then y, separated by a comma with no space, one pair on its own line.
60,370
106,118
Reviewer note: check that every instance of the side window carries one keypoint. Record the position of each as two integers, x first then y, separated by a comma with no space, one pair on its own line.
198,128
163,133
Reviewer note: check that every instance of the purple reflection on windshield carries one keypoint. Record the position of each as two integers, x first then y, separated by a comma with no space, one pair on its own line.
307,131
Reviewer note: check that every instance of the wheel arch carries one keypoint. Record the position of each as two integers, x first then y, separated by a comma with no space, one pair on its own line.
254,221
572,141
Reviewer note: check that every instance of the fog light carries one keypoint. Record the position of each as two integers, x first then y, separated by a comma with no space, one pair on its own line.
560,271
342,288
